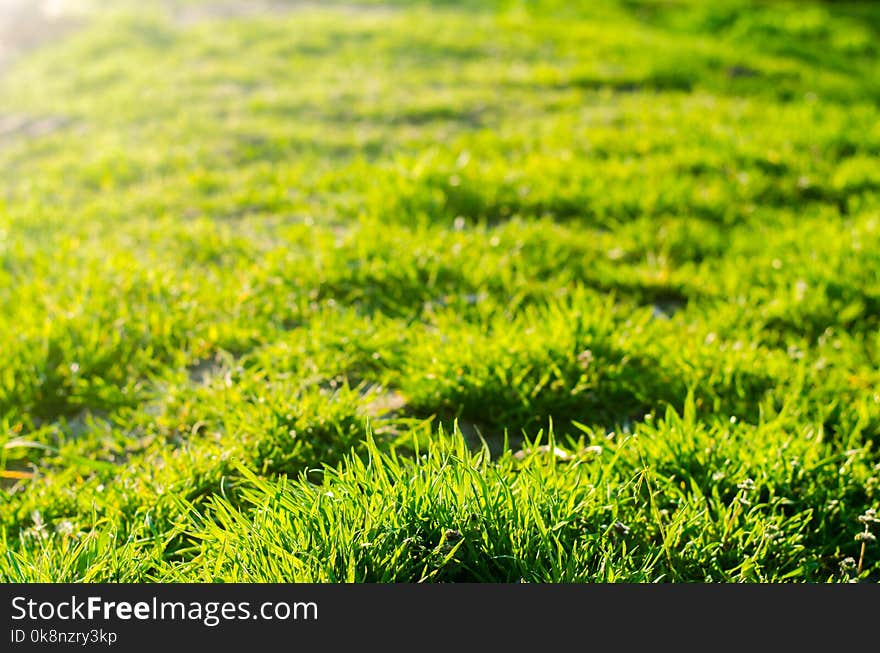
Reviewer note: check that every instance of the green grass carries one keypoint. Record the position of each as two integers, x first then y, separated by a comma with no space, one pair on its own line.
485,291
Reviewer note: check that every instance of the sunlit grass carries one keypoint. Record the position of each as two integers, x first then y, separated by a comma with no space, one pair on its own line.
270,283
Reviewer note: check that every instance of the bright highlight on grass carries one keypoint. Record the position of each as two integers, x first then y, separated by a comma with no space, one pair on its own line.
461,291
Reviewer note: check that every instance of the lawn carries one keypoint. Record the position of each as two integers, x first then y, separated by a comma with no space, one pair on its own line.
535,291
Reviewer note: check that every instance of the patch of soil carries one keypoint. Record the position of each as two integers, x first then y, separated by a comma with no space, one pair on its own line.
386,405
14,126
475,435
205,370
